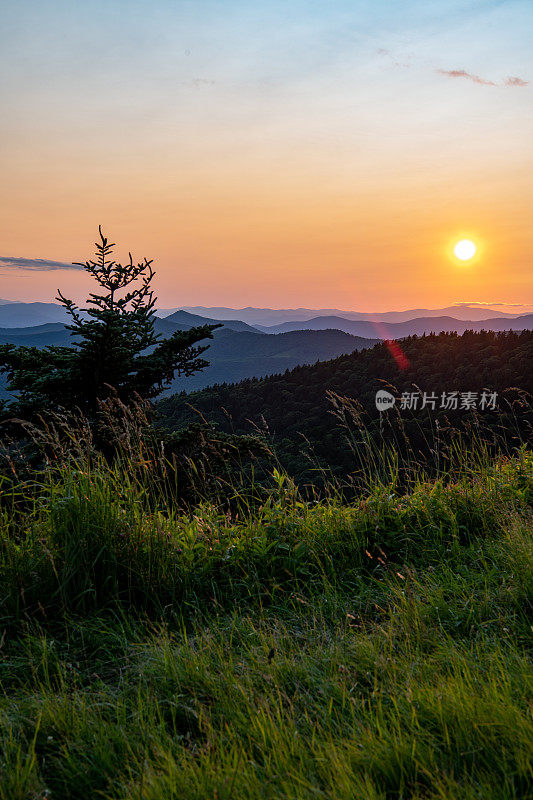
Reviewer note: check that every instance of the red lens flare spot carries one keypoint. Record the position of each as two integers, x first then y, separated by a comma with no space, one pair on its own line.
397,353
392,345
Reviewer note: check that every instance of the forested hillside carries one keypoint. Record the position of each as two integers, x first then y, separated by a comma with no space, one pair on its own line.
235,355
295,409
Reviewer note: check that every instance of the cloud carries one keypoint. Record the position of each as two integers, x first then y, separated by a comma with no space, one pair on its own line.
381,51
514,81
487,304
481,303
34,264
461,73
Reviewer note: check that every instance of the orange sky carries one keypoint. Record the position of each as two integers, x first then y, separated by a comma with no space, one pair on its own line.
328,162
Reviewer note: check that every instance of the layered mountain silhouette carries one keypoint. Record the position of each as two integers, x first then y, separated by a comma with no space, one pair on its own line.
22,315
268,317
51,333
185,320
19,315
380,329
240,350
234,354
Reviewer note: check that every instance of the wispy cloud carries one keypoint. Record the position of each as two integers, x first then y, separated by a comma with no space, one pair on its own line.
34,264
462,73
482,303
515,81
396,62
512,80
495,304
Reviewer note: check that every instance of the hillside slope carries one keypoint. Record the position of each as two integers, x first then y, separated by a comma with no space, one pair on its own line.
314,651
296,408
236,355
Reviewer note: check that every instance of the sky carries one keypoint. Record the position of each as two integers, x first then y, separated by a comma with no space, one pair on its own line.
282,154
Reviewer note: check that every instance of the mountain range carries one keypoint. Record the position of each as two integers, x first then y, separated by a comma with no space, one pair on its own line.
240,350
19,315
186,320
396,330
235,353
267,317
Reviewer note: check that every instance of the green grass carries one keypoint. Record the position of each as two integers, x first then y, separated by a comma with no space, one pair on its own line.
288,650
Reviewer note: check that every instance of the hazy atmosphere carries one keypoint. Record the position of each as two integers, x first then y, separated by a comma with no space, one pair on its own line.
283,153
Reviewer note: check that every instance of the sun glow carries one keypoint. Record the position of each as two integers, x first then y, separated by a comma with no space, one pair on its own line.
465,249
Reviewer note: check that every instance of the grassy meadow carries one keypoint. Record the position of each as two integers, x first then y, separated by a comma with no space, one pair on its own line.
266,648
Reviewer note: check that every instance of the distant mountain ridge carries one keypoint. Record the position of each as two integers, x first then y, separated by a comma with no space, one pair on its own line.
268,317
397,330
233,354
15,314
239,350
186,320
237,355
22,315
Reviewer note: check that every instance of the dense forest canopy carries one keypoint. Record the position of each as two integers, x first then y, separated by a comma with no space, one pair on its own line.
296,409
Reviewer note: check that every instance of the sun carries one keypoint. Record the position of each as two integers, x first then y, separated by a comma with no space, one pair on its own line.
465,249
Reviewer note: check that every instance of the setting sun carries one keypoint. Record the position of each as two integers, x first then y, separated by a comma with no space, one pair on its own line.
465,249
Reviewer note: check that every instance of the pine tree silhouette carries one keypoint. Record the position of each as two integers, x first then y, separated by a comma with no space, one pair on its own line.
116,350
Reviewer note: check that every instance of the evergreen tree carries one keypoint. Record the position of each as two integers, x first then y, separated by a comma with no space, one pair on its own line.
115,348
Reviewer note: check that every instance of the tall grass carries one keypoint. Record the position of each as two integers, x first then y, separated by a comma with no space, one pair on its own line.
401,448
92,538
270,646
